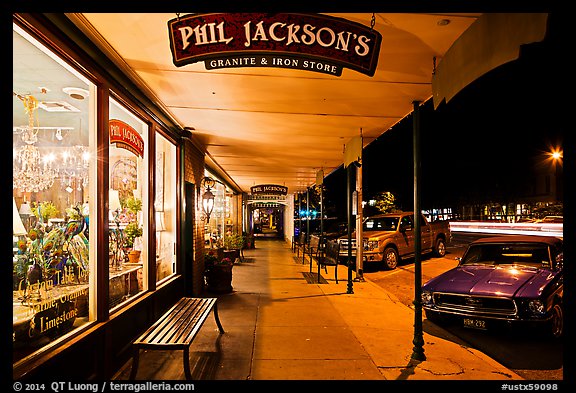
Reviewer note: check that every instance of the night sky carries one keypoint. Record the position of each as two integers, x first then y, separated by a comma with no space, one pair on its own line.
482,144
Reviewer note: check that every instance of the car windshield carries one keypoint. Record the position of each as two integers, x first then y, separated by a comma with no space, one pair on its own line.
523,254
381,224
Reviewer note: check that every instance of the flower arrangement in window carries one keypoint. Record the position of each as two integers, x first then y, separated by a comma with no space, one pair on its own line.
133,230
44,211
51,253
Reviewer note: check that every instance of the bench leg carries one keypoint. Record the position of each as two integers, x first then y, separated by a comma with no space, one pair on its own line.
186,359
336,272
217,318
135,360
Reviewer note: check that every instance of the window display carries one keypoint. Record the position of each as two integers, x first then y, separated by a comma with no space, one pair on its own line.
53,169
165,208
220,221
128,170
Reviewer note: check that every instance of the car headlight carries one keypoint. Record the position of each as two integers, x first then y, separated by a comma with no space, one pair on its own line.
371,245
537,306
427,298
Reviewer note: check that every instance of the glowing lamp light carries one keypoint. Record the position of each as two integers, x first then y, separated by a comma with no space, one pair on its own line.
208,198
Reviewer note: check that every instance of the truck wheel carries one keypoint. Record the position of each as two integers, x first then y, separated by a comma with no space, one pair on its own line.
390,258
440,248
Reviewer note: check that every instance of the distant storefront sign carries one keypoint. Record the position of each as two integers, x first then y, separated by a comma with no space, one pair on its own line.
126,137
311,42
269,189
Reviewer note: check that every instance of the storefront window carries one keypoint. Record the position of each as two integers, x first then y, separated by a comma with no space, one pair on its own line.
128,196
54,195
165,208
215,229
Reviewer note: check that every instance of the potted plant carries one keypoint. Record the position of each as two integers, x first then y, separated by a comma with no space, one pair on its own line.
234,244
133,231
133,205
218,272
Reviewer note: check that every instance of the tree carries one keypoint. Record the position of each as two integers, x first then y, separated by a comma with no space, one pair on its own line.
385,202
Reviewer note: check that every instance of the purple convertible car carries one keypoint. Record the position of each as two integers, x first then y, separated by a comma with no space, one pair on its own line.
502,280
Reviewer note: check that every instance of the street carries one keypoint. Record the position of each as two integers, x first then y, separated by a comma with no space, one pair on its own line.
532,357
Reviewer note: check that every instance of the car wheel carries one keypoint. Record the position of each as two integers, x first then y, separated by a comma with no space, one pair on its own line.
440,248
390,258
557,321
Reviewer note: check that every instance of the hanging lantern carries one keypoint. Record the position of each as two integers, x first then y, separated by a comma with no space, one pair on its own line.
208,198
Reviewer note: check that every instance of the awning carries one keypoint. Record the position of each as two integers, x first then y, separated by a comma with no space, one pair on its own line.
493,39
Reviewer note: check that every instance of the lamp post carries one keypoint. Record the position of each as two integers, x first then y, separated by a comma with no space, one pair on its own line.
418,341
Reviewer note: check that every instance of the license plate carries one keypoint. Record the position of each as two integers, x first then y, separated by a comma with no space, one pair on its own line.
475,323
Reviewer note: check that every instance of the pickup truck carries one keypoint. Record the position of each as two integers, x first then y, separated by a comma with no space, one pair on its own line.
390,237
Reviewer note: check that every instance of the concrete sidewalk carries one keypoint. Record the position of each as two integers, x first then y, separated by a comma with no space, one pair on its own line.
282,325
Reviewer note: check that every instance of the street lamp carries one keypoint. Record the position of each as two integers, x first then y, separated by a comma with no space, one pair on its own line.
556,156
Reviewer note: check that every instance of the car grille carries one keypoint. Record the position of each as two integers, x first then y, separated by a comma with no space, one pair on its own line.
344,244
475,304
344,247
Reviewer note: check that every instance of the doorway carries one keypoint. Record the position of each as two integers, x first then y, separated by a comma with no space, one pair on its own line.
268,222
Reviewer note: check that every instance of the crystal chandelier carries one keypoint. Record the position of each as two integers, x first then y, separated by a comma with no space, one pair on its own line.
32,172
74,167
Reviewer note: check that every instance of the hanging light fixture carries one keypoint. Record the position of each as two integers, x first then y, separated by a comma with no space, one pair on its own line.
208,197
32,172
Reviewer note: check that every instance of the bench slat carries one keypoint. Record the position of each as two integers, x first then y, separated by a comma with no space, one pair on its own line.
177,325
187,325
176,329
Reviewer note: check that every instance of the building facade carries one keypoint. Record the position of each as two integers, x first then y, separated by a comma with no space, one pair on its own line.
108,228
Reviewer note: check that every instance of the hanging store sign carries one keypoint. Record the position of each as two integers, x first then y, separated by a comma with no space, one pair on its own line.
269,189
126,137
311,42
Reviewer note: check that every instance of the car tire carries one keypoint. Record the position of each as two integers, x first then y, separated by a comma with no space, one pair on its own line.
440,248
390,258
557,321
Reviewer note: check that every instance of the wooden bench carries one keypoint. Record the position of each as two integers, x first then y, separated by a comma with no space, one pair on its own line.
299,243
311,249
330,256
176,329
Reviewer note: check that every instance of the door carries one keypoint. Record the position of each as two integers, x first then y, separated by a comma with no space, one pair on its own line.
426,230
405,241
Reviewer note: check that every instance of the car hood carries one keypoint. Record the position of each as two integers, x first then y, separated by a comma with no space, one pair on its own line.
490,281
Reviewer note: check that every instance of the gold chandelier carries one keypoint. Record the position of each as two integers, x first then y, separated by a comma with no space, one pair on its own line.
32,172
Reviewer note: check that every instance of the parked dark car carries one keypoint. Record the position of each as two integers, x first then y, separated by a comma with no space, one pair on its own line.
502,280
